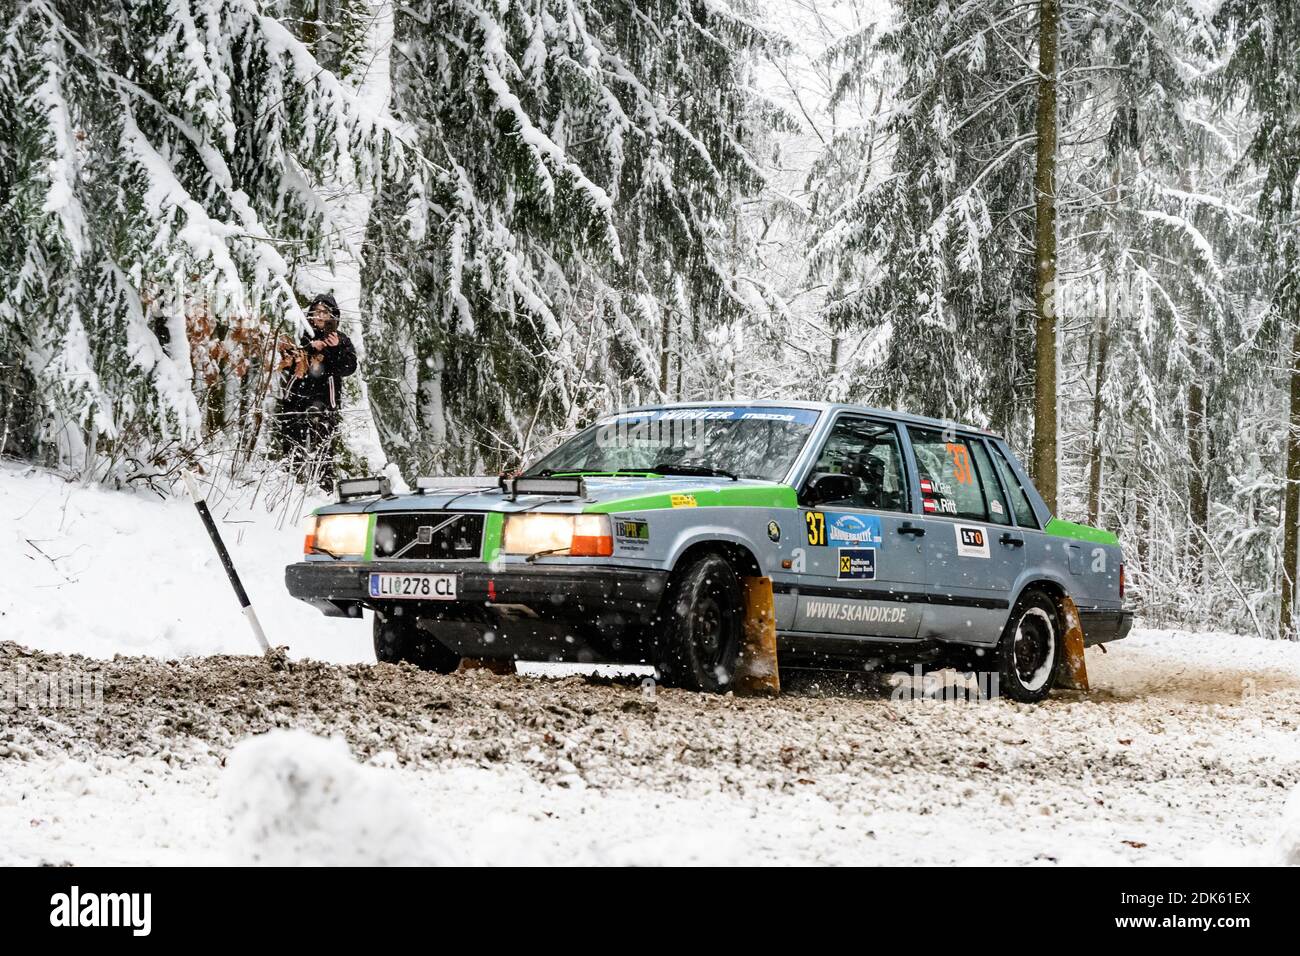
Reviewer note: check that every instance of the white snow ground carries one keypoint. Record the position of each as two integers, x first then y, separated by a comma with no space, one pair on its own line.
1186,753
91,571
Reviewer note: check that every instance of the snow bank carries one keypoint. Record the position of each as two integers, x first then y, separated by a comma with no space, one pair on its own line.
92,571
298,799
1288,842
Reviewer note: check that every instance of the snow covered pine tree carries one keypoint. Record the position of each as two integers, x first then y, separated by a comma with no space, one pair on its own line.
158,161
571,222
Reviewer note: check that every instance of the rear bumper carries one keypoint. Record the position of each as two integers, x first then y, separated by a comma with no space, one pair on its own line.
579,593
1100,627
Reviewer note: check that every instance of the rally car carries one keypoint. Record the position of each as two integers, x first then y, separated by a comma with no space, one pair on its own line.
885,537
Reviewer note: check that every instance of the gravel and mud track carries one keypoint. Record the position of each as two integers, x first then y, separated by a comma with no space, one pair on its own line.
1175,750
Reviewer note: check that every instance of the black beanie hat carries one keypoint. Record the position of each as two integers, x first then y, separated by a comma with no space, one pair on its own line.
326,300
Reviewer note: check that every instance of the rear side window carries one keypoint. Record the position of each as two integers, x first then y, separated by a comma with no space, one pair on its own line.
993,497
1020,505
950,484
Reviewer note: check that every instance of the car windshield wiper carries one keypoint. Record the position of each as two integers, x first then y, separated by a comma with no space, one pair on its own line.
667,468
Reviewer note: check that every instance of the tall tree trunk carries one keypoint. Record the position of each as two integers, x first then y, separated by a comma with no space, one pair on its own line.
665,341
1291,498
1094,445
1197,485
1044,448
1142,495
679,358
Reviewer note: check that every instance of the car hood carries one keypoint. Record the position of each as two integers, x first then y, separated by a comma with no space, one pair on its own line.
604,494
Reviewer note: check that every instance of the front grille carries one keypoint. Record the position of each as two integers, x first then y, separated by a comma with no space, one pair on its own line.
430,536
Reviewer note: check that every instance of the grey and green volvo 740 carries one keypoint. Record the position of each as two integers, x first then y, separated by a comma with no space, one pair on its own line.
886,537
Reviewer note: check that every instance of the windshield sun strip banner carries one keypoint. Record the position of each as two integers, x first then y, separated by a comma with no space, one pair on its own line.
797,416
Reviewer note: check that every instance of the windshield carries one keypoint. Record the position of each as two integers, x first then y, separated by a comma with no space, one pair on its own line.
736,441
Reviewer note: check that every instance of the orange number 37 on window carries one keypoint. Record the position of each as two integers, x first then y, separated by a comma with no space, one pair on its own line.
960,462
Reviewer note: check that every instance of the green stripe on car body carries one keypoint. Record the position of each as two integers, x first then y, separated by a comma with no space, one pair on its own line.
492,523
747,496
370,540
1080,532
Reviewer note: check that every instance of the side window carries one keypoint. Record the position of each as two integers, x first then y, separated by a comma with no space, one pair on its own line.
1020,505
950,485
998,513
868,452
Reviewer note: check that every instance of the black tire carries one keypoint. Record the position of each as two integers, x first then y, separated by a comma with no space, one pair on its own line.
399,639
1030,649
702,623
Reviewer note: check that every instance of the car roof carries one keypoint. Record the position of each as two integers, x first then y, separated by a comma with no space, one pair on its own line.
832,407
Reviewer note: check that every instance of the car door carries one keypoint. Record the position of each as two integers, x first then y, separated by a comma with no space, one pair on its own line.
863,551
974,554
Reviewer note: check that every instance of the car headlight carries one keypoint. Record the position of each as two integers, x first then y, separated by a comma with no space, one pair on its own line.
579,536
338,534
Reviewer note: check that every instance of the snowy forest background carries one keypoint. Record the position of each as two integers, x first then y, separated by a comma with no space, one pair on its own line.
1072,221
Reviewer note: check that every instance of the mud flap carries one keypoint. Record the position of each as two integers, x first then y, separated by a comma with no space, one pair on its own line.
1074,670
756,667
484,664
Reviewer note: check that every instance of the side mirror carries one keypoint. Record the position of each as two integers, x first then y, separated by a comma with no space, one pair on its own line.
830,488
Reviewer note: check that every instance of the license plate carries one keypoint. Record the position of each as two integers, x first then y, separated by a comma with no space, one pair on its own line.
414,587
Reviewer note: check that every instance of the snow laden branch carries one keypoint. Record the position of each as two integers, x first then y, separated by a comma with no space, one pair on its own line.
167,163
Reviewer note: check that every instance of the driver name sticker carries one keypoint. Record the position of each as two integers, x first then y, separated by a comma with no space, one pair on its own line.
972,541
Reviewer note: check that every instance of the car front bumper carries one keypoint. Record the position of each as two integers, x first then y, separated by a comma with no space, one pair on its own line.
578,593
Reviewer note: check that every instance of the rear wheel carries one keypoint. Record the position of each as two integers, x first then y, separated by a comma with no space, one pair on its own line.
702,621
400,639
1029,651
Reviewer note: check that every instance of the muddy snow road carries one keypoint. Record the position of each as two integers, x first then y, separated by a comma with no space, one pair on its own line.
1186,751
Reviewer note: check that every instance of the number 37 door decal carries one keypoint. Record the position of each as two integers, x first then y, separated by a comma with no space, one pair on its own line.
816,522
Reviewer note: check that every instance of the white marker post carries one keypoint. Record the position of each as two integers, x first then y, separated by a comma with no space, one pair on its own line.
202,506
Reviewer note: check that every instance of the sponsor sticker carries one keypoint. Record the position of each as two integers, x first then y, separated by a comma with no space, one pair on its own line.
858,564
774,531
972,541
683,501
844,528
996,506
859,611
633,533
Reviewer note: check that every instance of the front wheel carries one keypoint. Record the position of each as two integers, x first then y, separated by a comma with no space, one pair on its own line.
400,639
1029,651
702,624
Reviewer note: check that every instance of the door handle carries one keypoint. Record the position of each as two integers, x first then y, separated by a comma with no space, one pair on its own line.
908,528
1012,540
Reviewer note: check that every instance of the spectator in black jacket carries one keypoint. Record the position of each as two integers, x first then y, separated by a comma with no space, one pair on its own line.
313,388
